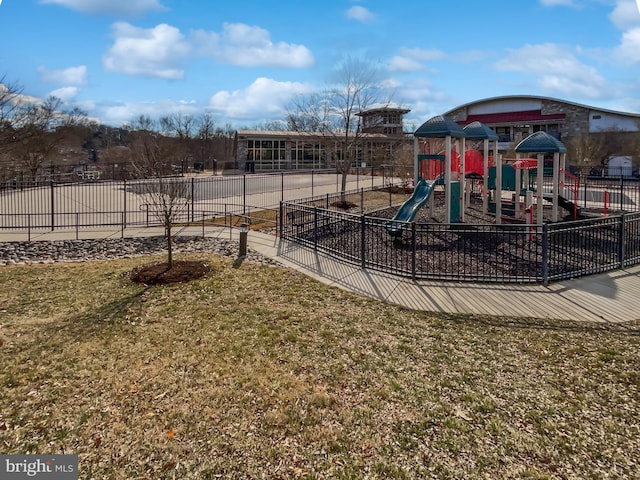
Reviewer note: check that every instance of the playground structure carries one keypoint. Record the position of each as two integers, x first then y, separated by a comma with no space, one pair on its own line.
523,177
531,245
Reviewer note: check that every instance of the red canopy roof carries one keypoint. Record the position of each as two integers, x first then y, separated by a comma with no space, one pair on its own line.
514,117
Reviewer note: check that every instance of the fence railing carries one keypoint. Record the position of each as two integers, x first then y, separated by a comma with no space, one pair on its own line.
63,205
467,252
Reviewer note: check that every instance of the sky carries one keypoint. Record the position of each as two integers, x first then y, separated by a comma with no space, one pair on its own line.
244,61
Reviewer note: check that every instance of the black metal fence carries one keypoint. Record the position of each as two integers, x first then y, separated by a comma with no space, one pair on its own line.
621,194
467,252
52,205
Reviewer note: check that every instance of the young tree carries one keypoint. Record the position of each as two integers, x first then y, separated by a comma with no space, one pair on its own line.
167,196
333,113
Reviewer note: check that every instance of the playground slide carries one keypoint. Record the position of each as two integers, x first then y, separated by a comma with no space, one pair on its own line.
408,210
564,203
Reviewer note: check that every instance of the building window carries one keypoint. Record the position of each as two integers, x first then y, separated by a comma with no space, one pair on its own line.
267,154
305,155
504,134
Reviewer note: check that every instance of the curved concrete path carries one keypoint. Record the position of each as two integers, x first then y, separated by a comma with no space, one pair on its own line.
607,298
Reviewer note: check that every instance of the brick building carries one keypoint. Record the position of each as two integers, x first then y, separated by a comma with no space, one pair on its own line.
513,118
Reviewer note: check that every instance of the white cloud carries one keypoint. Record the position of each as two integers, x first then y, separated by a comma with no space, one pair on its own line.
628,52
556,69
66,94
154,52
404,64
554,3
118,113
250,46
127,8
412,59
264,98
68,76
626,14
361,14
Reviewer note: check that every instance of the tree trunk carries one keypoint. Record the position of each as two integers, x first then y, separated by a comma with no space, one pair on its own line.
343,186
169,246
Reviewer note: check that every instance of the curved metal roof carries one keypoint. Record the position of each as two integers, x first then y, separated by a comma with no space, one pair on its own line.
541,142
538,97
479,131
439,127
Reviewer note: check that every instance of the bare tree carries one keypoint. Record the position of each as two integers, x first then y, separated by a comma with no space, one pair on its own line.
167,196
36,126
9,95
205,133
333,113
181,128
587,150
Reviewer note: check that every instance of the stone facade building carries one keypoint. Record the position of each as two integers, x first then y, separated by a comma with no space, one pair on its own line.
513,118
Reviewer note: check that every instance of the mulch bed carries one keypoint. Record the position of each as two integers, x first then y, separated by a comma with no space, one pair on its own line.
159,273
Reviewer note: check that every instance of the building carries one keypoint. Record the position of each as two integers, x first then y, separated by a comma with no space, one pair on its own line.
382,141
513,118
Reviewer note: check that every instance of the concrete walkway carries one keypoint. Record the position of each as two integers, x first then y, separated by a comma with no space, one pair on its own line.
607,298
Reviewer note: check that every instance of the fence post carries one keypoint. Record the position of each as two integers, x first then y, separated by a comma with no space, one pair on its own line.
622,251
193,191
621,192
545,254
124,203
203,224
363,239
413,250
315,228
313,176
53,207
244,194
362,200
279,222
281,187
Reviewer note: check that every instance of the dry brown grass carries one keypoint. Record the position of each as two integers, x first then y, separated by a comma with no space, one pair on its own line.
259,372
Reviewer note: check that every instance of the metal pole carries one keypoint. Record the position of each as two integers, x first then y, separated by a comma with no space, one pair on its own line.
621,241
53,209
545,254
244,230
193,199
124,209
244,193
413,250
363,239
281,186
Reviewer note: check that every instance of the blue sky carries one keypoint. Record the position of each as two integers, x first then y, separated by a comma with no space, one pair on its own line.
243,60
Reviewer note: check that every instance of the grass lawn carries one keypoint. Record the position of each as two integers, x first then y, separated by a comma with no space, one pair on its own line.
259,372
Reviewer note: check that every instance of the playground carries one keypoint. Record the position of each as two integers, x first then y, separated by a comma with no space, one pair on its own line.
479,217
